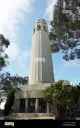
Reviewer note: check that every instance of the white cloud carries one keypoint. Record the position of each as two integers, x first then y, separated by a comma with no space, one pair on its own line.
48,12
13,51
16,54
23,58
49,9
11,13
24,55
74,63
72,83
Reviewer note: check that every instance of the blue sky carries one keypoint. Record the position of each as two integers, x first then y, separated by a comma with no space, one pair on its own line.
17,18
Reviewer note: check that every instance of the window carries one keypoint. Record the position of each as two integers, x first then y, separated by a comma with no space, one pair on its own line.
38,27
44,28
33,30
39,21
44,22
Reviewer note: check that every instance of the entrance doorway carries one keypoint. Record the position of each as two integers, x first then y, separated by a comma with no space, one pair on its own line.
31,108
42,106
22,105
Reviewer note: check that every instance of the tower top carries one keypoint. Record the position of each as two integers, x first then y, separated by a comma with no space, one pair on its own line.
41,22
41,19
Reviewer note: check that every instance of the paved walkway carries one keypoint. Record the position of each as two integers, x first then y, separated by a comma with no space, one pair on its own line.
33,118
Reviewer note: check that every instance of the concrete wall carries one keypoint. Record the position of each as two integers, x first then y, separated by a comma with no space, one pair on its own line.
29,94
32,91
40,86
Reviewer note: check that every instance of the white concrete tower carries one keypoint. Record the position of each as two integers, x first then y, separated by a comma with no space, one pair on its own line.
41,67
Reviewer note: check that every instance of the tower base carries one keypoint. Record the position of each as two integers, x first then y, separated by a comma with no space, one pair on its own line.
29,102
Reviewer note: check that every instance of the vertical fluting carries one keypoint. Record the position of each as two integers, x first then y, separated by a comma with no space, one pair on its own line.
41,68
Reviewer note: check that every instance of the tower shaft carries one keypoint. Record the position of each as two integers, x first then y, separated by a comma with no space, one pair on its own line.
41,68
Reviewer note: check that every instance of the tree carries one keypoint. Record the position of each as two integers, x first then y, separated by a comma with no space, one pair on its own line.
4,43
59,95
65,29
7,82
76,94
9,102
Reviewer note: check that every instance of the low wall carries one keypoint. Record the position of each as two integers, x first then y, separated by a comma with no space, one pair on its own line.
19,115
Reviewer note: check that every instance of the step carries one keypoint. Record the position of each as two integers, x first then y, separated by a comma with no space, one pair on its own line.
32,115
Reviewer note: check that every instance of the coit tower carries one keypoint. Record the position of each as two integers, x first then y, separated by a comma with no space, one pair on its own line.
41,67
